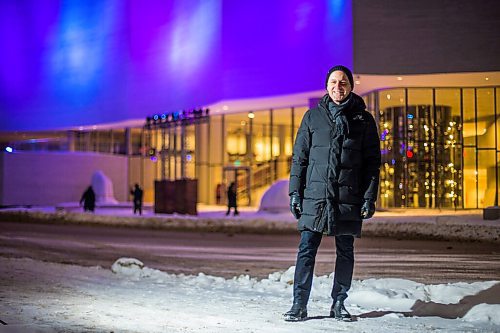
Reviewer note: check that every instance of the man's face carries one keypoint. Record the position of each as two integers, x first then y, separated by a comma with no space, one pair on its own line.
338,86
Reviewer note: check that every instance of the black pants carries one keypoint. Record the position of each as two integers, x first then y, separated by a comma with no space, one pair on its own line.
304,269
138,207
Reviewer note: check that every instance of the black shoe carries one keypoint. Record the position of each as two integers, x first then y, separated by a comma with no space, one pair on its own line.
296,313
339,312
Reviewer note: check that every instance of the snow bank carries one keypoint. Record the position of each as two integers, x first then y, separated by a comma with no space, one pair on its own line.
390,294
131,297
403,227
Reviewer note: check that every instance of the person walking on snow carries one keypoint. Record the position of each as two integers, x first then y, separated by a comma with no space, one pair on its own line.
88,200
232,199
334,181
137,194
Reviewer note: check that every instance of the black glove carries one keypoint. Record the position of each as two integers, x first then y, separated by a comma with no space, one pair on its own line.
368,209
296,205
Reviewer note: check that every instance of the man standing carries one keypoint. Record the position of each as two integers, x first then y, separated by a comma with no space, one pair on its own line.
137,194
334,182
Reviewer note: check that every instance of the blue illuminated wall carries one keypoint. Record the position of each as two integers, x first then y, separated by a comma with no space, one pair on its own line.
71,63
283,46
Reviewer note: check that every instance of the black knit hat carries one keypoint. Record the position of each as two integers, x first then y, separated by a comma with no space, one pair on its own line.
344,69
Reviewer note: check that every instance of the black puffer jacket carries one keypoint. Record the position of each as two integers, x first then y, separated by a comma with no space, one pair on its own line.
335,174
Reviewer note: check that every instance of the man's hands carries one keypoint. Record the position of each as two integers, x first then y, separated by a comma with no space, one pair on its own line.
368,209
296,205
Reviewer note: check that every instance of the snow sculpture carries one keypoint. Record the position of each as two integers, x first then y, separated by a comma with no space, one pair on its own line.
103,188
276,199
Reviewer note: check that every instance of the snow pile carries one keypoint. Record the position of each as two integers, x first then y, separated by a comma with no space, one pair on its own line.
275,199
103,187
129,267
484,313
131,297
390,294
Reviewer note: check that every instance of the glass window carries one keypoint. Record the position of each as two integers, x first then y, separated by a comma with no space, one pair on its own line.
282,141
470,178
469,114
449,149
486,176
420,148
392,128
298,114
189,154
485,118
497,90
497,199
237,138
261,136
136,141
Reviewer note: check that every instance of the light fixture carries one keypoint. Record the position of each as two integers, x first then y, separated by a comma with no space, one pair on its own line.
251,115
399,78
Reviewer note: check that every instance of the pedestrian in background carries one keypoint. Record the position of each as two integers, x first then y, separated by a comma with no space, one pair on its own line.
137,194
334,181
232,199
88,200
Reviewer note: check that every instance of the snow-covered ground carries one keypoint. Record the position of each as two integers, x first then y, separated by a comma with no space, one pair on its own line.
129,297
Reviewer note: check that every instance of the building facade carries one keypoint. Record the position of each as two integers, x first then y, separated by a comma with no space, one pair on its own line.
430,79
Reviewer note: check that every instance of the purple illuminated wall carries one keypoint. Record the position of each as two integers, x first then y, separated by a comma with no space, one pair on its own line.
71,63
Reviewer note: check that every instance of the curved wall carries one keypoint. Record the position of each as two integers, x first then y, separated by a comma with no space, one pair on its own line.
72,63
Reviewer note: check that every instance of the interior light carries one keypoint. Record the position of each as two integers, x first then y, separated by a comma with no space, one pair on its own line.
487,78
9,149
251,115
225,107
399,78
